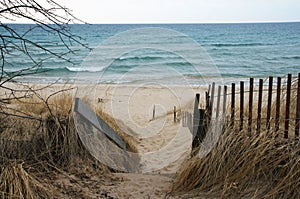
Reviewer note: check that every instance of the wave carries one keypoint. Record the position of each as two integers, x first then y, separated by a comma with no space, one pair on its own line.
52,70
114,68
58,70
141,58
238,44
270,59
81,69
291,57
180,63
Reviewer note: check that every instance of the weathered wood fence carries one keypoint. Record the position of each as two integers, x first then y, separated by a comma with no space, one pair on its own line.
252,106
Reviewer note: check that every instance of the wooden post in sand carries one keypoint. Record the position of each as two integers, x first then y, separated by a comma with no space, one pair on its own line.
278,92
224,102
250,105
218,102
153,114
269,102
232,105
212,99
207,105
183,118
174,114
241,105
260,94
297,122
196,115
287,106
199,131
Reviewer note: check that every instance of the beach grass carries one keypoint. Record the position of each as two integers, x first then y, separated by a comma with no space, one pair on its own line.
244,167
247,165
39,145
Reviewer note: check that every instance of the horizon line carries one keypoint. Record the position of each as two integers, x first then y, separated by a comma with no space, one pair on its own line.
166,23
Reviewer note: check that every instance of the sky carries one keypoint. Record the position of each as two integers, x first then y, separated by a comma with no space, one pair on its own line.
184,11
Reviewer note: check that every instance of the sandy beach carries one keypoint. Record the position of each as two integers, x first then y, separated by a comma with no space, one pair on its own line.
162,144
158,158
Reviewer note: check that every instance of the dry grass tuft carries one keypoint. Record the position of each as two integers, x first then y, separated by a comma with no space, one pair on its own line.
15,182
241,166
247,165
52,137
47,145
115,125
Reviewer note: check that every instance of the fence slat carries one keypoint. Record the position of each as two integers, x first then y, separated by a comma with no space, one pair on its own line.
287,106
269,112
153,112
218,102
269,102
207,100
212,99
183,118
232,104
250,105
241,105
297,124
196,115
198,123
260,93
224,102
202,129
174,114
278,92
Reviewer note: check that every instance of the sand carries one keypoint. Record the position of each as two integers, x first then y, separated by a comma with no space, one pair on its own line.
162,143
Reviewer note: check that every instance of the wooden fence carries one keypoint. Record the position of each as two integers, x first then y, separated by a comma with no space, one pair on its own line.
252,106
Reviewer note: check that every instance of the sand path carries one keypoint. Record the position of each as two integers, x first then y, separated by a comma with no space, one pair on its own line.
163,144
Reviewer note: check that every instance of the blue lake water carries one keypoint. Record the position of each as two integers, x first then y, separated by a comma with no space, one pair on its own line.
237,51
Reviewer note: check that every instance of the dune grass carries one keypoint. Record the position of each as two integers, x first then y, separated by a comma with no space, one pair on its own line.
116,126
16,182
41,142
247,165
241,166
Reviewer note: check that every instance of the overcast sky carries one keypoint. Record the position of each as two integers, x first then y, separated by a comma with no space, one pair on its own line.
184,11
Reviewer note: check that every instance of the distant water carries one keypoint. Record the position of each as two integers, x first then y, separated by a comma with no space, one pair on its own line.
238,50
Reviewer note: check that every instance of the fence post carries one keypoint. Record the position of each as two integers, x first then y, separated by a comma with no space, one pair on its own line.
269,102
212,98
201,132
207,101
218,102
241,105
174,114
278,92
190,121
153,113
198,123
250,105
183,118
287,106
196,115
224,102
260,93
298,110
232,104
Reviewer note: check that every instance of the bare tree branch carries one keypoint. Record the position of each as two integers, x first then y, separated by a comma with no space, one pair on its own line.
46,16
